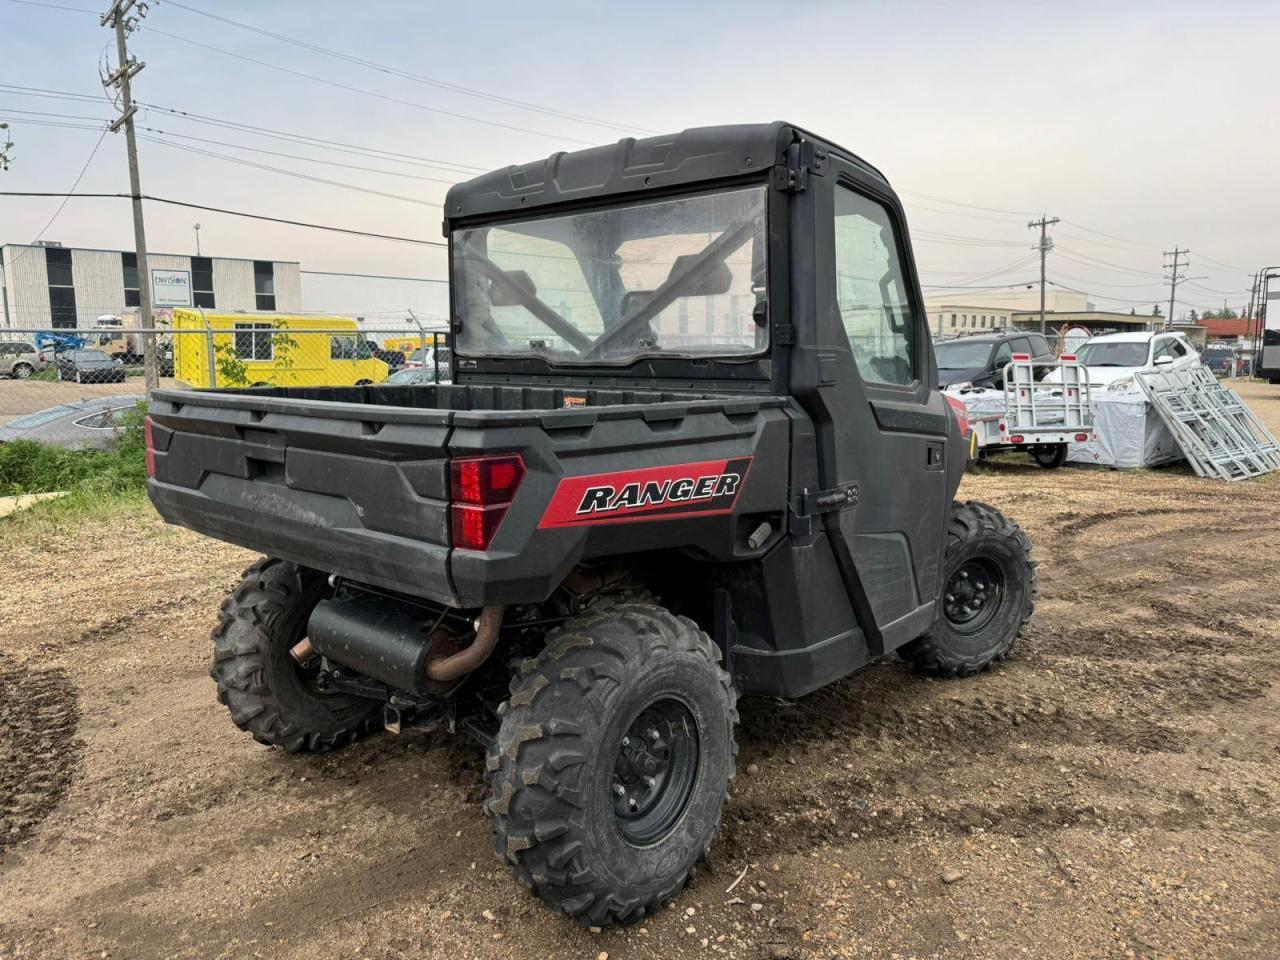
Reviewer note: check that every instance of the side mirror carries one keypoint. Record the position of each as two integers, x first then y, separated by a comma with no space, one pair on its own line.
1163,361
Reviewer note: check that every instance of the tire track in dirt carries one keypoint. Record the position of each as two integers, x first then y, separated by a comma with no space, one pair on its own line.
39,752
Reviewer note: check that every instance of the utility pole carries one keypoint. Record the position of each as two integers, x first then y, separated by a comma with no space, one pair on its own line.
1044,247
117,17
1174,277
196,228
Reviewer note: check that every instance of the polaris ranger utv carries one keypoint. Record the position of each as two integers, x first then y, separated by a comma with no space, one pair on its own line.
693,450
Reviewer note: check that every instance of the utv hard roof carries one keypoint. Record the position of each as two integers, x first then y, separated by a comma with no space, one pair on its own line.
653,164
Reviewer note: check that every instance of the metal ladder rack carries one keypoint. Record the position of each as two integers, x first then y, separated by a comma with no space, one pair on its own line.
1219,435
1031,405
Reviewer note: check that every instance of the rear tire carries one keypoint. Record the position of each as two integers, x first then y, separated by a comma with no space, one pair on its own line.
988,561
612,763
1050,455
21,371
268,694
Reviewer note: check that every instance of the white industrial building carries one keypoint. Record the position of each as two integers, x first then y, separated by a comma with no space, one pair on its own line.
49,285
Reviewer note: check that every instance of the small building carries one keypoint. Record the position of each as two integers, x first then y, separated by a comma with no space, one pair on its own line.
1095,321
48,285
952,314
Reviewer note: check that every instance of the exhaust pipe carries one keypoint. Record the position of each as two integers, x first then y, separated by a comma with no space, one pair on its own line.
389,641
445,669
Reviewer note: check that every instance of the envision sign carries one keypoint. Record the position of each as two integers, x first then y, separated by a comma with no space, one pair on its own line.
171,288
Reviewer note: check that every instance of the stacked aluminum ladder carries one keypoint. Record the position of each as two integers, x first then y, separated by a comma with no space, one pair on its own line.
1219,435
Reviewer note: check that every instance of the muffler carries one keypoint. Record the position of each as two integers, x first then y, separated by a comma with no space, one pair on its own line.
398,643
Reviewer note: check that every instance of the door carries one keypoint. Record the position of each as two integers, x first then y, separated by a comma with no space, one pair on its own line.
889,423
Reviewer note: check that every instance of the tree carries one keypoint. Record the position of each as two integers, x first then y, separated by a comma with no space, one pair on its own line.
1192,317
1155,311
5,147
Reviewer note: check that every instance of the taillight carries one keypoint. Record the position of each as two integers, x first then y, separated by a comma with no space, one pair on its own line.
1081,437
482,489
1016,438
149,437
961,412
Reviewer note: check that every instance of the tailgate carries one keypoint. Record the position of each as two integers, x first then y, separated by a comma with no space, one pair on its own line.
347,488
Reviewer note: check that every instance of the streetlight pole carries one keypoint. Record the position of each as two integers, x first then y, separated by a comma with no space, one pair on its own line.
197,230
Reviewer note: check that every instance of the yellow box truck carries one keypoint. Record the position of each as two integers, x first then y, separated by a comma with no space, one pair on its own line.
270,349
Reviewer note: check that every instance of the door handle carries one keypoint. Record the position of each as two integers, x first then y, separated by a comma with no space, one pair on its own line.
935,456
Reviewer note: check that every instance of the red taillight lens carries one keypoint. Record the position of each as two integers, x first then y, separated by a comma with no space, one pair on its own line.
1015,439
962,414
482,489
149,437
1081,437
474,527
487,480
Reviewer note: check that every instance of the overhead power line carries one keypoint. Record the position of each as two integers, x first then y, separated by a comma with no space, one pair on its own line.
80,176
325,143
363,92
415,77
232,213
288,173
294,156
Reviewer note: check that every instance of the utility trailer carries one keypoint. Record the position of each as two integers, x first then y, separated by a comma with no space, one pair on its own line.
1041,418
718,466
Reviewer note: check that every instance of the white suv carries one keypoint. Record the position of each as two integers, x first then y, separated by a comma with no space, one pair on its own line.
1113,359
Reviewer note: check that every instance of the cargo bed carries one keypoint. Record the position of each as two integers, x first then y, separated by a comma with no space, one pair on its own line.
356,480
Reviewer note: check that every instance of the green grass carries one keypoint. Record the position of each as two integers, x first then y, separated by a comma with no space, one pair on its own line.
88,476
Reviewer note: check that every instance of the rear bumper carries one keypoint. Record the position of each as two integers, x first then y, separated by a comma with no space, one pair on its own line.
309,529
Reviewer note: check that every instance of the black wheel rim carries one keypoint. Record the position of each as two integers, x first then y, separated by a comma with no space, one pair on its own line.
655,770
1046,454
973,594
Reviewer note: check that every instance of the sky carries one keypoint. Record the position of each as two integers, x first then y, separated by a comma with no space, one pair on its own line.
1144,126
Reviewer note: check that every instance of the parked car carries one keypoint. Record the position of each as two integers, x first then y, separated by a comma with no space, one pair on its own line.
427,357
1113,358
20,359
1221,358
981,360
78,425
89,366
394,359
415,376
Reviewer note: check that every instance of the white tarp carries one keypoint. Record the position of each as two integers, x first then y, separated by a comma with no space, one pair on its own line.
1128,433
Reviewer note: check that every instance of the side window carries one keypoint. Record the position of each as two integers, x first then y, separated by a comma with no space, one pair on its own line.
342,348
1162,349
1022,345
1039,346
1004,353
870,292
1177,347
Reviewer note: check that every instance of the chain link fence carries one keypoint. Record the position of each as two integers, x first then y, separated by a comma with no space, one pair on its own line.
47,373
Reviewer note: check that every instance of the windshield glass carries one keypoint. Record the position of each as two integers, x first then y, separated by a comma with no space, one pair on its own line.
675,277
1113,353
959,355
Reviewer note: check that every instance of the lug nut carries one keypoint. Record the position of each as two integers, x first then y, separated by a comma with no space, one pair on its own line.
951,598
619,789
650,782
653,735
626,741
964,574
977,601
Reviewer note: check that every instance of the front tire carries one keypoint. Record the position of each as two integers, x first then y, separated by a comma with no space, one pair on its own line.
612,763
989,588
22,370
268,694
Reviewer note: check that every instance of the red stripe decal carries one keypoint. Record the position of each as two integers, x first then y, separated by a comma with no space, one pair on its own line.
652,493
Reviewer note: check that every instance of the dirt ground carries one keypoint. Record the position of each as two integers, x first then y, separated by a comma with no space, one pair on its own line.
1111,791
